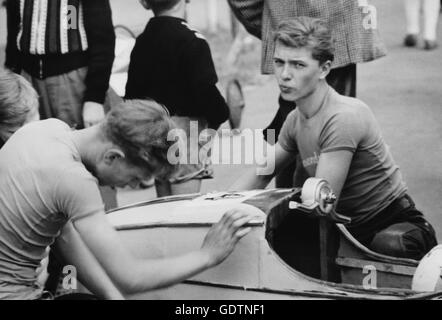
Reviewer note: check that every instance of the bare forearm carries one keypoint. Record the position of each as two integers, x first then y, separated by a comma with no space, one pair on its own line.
128,273
218,243
90,272
134,275
250,181
159,273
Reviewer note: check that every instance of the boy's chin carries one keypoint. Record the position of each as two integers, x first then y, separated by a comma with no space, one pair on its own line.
288,97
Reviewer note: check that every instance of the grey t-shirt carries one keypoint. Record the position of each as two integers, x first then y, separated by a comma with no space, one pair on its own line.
342,123
43,184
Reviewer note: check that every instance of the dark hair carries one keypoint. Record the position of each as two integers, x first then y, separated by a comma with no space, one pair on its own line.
306,32
159,6
140,129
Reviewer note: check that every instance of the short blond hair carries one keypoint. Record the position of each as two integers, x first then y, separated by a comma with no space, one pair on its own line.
17,99
306,32
140,128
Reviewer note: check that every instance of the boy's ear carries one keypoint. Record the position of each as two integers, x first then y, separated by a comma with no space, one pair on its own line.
113,154
325,69
145,4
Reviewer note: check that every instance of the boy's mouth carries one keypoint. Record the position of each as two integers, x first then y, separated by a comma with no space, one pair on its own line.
285,89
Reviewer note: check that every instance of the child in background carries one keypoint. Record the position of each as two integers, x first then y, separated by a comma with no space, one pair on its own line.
172,64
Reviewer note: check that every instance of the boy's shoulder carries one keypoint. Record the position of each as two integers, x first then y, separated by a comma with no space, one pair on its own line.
349,112
192,31
171,27
345,104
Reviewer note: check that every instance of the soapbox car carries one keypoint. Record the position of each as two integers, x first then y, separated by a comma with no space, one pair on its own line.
299,248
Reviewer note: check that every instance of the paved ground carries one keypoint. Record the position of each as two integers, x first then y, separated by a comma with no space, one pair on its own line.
403,89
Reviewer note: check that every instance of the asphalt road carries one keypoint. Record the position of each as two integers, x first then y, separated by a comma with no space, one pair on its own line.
403,89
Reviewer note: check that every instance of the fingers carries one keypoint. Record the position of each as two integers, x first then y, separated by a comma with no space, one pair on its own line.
233,222
231,216
91,120
224,235
93,113
242,232
225,217
240,222
235,218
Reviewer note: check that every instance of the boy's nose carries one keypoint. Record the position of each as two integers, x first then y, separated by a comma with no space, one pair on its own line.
285,73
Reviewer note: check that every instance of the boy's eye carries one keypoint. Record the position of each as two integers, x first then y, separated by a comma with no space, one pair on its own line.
278,62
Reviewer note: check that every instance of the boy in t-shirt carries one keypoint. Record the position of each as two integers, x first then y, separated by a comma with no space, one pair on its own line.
172,64
338,139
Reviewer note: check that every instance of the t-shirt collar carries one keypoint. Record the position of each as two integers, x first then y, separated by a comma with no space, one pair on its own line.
325,100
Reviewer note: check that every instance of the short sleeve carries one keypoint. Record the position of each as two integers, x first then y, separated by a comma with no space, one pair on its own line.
77,195
287,136
343,131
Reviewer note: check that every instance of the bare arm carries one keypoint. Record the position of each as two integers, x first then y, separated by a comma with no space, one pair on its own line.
90,272
133,275
333,167
259,177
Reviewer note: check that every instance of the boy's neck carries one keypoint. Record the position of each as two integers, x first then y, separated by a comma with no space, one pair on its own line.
89,143
178,11
311,104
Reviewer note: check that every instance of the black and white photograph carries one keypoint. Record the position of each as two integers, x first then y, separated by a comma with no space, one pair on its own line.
219,154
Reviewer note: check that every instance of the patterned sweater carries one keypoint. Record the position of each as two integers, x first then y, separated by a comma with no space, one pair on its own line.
353,24
52,37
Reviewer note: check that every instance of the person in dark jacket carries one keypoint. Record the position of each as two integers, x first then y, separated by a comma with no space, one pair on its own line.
66,50
172,64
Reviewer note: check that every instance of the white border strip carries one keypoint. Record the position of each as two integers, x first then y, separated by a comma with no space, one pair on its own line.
34,25
63,26
41,32
83,37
